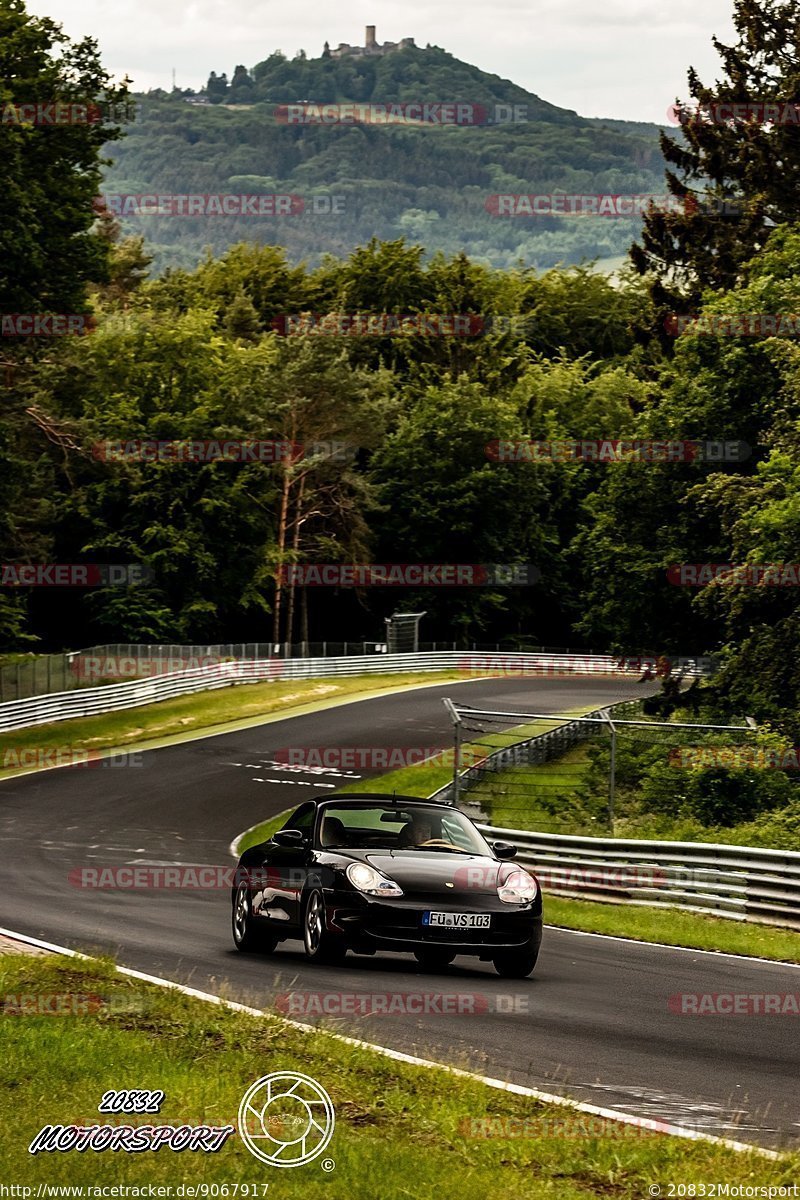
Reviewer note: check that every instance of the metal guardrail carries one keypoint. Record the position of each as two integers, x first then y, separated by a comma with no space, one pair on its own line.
742,882
87,702
26,675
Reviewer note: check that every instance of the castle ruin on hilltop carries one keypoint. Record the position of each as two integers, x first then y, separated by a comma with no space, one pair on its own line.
369,49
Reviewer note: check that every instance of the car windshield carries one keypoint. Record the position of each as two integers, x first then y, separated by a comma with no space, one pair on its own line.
399,827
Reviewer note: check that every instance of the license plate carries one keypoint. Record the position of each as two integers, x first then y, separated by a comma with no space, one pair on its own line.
451,920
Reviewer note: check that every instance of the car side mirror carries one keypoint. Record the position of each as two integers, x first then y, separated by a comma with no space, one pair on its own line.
288,837
504,850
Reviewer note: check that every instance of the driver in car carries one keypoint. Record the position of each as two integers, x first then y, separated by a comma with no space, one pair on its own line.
415,832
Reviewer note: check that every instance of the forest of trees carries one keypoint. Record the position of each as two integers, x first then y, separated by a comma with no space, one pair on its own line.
197,354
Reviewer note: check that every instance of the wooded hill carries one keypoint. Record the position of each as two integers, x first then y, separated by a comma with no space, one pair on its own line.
430,184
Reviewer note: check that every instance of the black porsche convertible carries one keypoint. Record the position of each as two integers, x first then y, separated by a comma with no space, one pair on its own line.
376,872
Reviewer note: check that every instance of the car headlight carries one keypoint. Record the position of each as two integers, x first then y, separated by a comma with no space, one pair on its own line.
368,880
516,886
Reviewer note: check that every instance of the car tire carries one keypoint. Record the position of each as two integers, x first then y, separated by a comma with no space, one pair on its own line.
320,945
516,964
434,960
248,936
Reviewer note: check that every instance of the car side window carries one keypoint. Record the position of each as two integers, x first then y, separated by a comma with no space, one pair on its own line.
302,819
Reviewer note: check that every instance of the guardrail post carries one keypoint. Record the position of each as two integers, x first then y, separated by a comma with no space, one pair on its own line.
612,770
612,777
456,719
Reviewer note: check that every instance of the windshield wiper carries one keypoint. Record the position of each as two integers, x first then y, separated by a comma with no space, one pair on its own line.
439,849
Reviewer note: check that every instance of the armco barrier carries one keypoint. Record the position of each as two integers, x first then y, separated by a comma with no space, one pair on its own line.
743,882
88,702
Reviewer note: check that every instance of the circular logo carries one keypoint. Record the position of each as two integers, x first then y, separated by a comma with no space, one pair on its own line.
286,1119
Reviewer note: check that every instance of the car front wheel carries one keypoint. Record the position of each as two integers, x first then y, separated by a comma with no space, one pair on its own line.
516,964
320,944
247,935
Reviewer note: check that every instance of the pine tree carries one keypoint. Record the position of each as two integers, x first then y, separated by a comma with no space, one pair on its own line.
733,173
241,318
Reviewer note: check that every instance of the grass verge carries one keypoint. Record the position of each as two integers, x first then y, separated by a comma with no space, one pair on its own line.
168,720
261,832
541,796
674,927
401,1131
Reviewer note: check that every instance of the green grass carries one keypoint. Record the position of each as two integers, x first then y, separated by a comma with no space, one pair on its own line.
261,832
171,719
674,927
540,796
402,1132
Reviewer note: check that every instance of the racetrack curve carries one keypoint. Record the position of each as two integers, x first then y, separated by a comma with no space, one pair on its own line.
593,1023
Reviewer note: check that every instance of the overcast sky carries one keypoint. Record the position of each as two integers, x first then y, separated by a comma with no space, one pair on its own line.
613,58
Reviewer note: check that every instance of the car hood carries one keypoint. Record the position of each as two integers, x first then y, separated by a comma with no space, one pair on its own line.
433,873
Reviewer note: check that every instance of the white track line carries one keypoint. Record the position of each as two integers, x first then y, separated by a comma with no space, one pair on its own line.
515,1089
615,937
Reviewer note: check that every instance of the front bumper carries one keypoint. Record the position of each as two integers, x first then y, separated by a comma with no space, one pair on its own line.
397,925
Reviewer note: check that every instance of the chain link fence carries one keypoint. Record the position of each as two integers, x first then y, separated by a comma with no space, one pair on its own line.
575,772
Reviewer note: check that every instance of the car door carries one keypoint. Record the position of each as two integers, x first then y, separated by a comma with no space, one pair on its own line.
286,869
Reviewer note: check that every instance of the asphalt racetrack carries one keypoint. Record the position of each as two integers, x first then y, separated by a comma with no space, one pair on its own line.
594,1022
